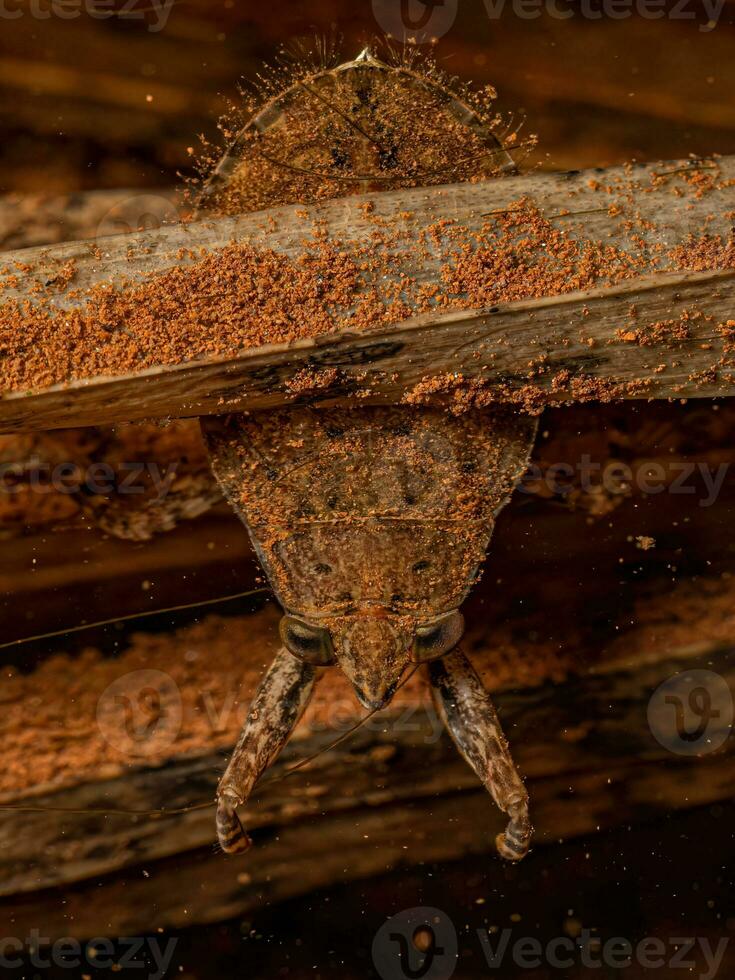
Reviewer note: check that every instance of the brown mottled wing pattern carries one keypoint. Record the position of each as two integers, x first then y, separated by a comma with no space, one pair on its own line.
392,505
363,125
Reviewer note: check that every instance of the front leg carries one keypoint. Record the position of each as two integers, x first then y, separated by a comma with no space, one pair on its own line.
473,723
277,706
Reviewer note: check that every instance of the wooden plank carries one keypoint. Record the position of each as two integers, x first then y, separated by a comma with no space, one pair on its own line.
30,220
376,802
585,747
572,347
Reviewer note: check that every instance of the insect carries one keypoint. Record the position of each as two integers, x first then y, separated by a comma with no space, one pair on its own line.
371,526
312,132
371,523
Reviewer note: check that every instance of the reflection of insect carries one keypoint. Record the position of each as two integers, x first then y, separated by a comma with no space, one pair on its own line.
371,523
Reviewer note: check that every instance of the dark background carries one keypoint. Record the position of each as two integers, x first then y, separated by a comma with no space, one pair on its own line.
91,104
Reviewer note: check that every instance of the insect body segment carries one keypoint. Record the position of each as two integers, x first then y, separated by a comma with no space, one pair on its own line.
373,647
311,643
371,525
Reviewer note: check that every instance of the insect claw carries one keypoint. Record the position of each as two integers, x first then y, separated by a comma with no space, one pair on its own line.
231,834
514,841
508,850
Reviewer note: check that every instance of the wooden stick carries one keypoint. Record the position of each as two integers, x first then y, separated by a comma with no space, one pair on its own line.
578,346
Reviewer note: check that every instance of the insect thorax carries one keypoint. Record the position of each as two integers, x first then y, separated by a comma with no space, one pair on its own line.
393,506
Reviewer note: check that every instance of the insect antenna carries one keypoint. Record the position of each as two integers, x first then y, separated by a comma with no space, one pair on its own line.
130,616
106,811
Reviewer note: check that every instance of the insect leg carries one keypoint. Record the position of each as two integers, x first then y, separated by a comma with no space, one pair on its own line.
473,723
277,706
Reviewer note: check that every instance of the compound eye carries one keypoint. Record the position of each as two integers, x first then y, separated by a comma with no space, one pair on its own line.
312,644
437,638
